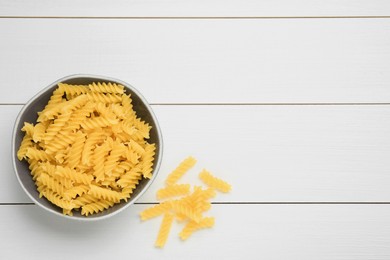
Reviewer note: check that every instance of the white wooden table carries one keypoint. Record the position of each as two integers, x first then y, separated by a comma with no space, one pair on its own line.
288,100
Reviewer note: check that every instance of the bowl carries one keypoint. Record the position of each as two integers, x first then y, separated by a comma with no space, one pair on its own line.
38,102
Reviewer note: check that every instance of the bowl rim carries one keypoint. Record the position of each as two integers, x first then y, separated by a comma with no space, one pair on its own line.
103,78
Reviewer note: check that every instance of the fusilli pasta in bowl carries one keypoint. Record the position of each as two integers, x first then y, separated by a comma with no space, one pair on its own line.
86,147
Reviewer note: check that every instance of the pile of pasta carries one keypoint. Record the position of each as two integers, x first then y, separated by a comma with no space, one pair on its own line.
188,208
88,149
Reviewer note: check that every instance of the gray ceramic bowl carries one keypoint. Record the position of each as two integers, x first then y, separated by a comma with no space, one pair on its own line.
38,102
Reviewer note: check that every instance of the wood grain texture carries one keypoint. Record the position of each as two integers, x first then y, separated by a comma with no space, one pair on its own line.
279,232
268,153
204,61
194,8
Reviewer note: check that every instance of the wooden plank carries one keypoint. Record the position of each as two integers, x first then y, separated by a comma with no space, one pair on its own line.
277,232
268,153
204,61
193,8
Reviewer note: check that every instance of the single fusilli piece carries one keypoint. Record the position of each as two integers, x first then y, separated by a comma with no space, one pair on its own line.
75,191
28,129
39,131
73,90
39,155
56,199
99,157
74,155
73,175
155,211
84,200
165,228
105,194
105,98
183,167
96,207
103,87
192,226
130,177
214,182
97,122
148,158
173,190
24,146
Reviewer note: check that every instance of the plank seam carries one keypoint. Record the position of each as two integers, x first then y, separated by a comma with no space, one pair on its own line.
254,203
195,17
250,104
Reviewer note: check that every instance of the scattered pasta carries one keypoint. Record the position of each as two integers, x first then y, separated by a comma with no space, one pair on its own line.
188,208
88,149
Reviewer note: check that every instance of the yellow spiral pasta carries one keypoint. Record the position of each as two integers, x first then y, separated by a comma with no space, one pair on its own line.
39,131
118,150
118,110
73,175
39,155
62,141
57,125
132,156
55,99
51,169
27,143
51,184
106,112
130,177
84,200
173,190
105,98
189,208
79,116
165,228
28,129
75,191
96,207
192,226
214,182
73,104
180,170
73,90
74,155
92,140
88,149
185,210
97,122
147,161
105,194
155,211
103,87
56,199
136,147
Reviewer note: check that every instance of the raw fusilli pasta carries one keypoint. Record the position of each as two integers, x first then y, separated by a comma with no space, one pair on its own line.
173,190
192,226
189,208
183,167
88,149
165,228
214,182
